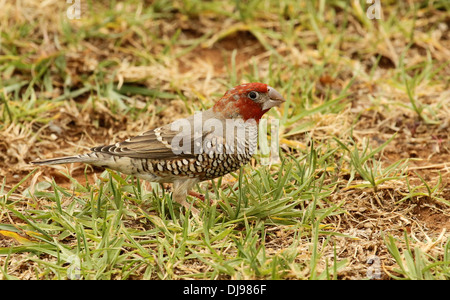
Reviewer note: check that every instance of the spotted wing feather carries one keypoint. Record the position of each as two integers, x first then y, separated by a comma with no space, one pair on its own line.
153,144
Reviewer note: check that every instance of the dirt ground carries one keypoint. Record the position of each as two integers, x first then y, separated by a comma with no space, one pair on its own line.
368,215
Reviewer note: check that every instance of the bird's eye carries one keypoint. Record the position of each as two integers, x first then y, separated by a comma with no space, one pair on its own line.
253,95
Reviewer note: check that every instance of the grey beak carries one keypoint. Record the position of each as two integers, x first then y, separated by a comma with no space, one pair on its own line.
275,99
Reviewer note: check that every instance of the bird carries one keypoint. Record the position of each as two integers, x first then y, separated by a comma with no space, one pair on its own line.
203,146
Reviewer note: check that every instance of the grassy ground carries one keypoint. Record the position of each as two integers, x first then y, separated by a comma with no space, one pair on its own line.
362,189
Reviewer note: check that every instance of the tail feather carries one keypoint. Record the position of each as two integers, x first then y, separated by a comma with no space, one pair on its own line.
64,160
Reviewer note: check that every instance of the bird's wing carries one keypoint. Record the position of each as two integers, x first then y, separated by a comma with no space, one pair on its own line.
160,143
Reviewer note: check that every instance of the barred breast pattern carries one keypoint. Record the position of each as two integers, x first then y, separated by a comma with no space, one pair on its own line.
216,159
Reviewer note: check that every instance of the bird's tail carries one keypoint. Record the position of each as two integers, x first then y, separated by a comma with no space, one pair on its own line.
64,160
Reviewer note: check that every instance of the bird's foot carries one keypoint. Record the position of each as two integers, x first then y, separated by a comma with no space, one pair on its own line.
200,196
197,195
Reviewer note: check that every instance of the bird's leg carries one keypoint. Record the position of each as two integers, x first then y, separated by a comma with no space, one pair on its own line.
180,191
197,195
200,196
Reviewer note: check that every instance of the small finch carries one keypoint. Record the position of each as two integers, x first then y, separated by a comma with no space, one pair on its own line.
204,146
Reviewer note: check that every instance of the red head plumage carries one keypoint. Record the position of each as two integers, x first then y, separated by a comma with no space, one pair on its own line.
248,101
